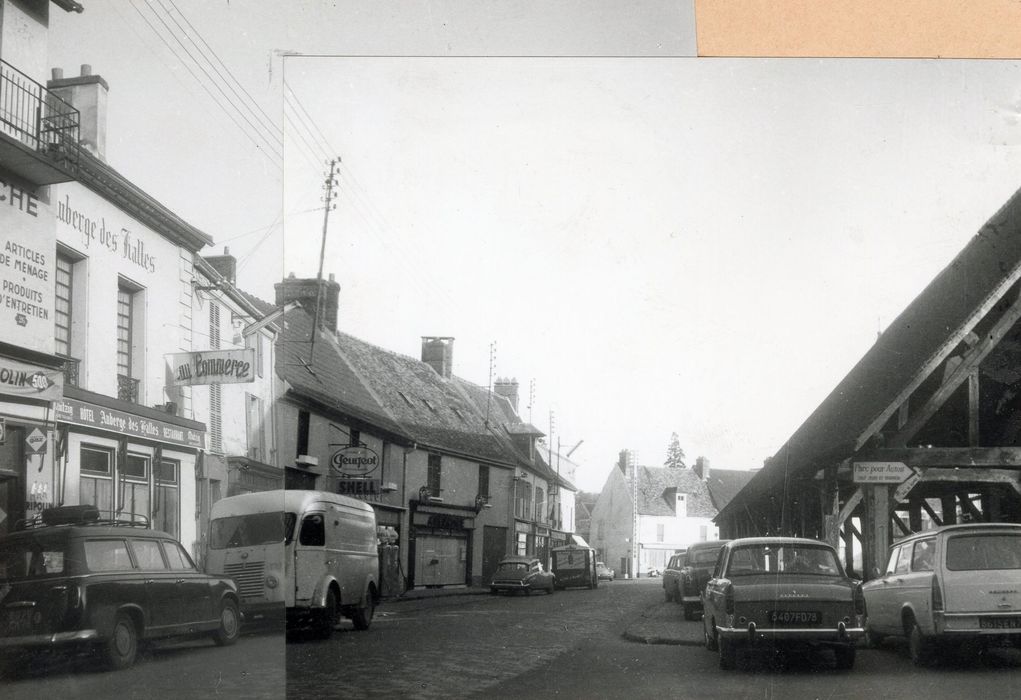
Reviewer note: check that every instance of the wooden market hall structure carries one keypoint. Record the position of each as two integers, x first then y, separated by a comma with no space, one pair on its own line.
939,392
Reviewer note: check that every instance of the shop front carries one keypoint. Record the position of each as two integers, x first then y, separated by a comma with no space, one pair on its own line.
441,544
129,461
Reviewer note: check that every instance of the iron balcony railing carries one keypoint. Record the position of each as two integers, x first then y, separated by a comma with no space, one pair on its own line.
127,388
36,117
70,370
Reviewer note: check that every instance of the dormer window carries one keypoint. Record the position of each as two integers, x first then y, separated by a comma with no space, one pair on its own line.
681,505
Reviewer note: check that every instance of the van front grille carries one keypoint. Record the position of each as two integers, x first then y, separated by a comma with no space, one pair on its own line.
248,576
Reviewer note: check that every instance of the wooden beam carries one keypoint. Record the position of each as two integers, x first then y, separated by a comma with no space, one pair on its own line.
849,507
948,457
900,523
876,525
966,504
932,364
958,375
973,434
932,514
961,476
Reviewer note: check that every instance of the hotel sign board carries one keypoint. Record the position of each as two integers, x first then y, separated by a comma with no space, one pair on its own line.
93,416
212,367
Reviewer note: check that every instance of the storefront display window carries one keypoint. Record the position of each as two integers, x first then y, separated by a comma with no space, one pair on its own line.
97,479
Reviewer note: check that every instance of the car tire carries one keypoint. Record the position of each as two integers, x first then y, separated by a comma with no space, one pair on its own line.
230,624
362,615
549,591
921,648
326,618
668,593
845,657
728,654
120,649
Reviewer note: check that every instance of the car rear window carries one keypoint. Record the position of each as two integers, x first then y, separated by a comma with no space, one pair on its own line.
992,550
30,557
703,556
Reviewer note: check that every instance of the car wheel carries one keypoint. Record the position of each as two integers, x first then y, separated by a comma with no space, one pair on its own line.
362,615
549,591
230,624
120,649
327,617
668,592
845,657
728,654
920,647
710,639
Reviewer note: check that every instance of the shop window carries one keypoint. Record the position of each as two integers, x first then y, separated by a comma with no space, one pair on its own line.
166,514
134,486
522,544
96,482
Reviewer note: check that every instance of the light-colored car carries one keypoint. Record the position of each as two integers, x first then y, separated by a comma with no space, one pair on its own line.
782,591
521,574
604,572
947,586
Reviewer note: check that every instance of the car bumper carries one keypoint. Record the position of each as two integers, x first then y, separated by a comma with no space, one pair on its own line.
752,633
970,624
45,640
692,600
509,586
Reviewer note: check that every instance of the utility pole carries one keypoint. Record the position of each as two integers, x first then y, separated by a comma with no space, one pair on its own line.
328,201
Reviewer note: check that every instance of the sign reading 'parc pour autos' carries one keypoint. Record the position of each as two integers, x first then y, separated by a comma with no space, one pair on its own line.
212,367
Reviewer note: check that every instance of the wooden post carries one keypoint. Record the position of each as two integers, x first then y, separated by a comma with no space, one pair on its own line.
877,528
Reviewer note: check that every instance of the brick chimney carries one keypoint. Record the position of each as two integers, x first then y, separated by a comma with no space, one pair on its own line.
702,468
438,353
86,93
508,388
306,291
226,265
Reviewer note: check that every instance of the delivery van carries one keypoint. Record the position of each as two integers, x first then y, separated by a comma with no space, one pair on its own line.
574,566
310,555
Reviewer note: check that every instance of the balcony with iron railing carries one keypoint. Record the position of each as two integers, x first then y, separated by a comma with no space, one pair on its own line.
38,130
127,388
70,370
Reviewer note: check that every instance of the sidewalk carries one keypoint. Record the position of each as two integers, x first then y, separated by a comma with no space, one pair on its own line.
661,623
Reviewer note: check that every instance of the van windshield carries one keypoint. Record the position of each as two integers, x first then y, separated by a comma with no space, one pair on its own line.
251,530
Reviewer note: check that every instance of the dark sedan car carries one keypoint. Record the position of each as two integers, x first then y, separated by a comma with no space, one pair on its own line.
521,574
781,591
74,581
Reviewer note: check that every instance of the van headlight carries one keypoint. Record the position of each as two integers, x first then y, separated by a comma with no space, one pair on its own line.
271,581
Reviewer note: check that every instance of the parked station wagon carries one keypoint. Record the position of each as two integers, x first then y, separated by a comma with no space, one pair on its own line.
947,586
781,591
687,573
74,581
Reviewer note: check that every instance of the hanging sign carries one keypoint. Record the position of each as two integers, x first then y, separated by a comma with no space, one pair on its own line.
212,367
881,472
30,381
36,441
354,461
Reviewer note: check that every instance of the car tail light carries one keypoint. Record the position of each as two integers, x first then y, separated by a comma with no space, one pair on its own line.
937,596
728,599
859,600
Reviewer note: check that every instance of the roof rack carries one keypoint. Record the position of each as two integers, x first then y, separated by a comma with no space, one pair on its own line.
80,515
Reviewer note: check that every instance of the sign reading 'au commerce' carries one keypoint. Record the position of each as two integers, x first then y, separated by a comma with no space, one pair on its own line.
354,461
213,367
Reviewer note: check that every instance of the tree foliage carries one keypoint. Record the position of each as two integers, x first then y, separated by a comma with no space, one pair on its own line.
674,454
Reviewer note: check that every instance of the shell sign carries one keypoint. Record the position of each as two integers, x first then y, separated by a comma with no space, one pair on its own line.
354,461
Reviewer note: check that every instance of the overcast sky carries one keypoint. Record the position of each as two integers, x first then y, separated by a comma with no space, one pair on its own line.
661,243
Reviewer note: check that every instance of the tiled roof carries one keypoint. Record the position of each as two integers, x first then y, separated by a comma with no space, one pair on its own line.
724,484
918,334
658,485
332,381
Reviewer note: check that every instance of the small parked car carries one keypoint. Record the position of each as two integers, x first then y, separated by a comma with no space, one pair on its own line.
604,572
686,575
74,581
522,574
783,591
944,587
